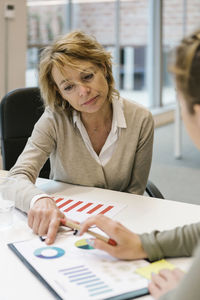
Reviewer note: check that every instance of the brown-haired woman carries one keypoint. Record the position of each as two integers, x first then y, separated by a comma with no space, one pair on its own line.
92,136
181,241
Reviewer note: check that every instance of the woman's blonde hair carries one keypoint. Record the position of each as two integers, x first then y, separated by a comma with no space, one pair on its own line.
186,69
67,50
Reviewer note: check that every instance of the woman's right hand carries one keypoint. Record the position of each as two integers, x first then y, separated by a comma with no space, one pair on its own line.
44,218
128,246
164,281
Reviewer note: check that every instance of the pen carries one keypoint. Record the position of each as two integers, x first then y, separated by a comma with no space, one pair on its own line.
96,235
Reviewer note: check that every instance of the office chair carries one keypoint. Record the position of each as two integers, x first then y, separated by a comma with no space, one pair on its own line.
153,191
19,111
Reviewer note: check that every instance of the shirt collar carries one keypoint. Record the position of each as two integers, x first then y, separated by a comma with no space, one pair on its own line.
118,114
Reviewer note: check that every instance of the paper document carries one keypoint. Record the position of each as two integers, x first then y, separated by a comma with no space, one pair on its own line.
155,267
72,269
80,210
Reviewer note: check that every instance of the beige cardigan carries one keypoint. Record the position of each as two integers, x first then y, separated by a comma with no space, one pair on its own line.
55,136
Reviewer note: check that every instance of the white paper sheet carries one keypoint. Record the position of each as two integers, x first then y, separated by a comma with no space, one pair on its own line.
76,272
79,210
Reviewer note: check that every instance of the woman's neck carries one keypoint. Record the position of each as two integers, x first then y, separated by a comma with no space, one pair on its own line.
95,121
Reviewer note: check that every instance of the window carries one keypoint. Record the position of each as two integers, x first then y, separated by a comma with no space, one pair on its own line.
122,27
46,21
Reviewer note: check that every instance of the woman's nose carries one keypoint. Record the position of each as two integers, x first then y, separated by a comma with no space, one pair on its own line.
83,90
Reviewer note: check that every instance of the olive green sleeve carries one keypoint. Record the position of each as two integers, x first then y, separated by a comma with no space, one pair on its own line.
180,241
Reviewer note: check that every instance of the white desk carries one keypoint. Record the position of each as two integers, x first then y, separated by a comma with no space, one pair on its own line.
141,214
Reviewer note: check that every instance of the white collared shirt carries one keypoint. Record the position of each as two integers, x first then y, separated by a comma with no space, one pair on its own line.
118,122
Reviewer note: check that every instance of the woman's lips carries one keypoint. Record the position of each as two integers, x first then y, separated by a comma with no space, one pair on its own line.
90,101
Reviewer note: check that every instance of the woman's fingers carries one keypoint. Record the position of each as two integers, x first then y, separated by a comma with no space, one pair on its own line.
159,280
101,245
44,218
171,275
43,226
128,243
165,281
107,225
154,290
52,230
178,274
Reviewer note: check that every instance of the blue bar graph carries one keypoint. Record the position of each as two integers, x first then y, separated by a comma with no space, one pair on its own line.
94,284
81,275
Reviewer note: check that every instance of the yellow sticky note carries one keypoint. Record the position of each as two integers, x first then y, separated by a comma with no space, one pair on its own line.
154,267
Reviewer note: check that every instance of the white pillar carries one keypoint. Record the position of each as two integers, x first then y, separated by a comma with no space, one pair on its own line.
116,66
154,54
128,82
12,45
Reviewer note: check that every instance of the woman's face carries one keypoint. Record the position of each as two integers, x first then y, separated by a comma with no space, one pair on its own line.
86,89
191,121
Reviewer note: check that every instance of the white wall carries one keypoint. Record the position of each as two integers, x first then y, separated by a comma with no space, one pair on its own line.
12,47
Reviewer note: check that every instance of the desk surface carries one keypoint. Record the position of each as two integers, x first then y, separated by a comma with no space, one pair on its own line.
3,173
141,214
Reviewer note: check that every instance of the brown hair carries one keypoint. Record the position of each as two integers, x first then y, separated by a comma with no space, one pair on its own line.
186,69
68,49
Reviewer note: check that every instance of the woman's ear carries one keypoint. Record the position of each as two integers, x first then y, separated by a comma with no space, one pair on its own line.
196,108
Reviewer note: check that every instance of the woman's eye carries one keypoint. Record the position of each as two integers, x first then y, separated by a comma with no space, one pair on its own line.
68,88
88,77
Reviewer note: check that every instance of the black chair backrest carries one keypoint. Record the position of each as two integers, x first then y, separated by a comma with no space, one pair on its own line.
153,191
19,111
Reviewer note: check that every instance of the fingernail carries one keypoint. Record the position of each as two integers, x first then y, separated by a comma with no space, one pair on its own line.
47,241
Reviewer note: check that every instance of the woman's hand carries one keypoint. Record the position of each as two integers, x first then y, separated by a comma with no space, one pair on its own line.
165,281
44,218
128,243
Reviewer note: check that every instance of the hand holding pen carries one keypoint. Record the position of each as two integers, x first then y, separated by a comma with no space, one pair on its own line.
127,244
76,226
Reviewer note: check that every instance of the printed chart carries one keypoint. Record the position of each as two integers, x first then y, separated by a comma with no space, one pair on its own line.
83,244
81,275
81,210
49,252
75,271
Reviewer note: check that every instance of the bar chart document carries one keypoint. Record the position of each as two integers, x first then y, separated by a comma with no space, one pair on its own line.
72,269
80,210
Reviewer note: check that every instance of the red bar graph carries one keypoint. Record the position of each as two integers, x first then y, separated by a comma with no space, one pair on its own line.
106,210
58,200
65,203
95,208
84,207
73,206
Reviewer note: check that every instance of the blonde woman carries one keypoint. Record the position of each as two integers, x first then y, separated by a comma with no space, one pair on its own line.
92,136
181,241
